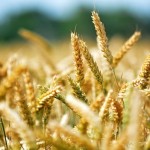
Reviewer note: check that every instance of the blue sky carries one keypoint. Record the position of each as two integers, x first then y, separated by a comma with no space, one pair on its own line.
61,8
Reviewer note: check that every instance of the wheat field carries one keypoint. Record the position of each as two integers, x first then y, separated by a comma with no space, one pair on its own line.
76,95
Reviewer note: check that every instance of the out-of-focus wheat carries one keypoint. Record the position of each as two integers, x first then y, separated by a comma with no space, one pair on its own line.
19,125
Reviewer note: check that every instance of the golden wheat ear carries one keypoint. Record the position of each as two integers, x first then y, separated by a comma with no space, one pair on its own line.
77,58
8,82
102,38
22,106
47,96
126,47
106,57
77,90
91,63
143,78
30,91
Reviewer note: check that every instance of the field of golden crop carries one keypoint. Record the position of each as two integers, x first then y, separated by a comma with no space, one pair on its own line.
77,94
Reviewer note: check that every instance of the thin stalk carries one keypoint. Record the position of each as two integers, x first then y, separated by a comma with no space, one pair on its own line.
3,130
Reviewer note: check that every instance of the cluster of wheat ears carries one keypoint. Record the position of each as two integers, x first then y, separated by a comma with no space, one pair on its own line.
84,106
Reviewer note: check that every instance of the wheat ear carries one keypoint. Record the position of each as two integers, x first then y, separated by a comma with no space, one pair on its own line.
77,90
22,105
43,44
91,63
77,58
125,48
102,38
144,75
47,105
8,82
35,38
30,92
145,71
49,95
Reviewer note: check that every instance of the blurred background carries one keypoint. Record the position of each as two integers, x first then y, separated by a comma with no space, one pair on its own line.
55,19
